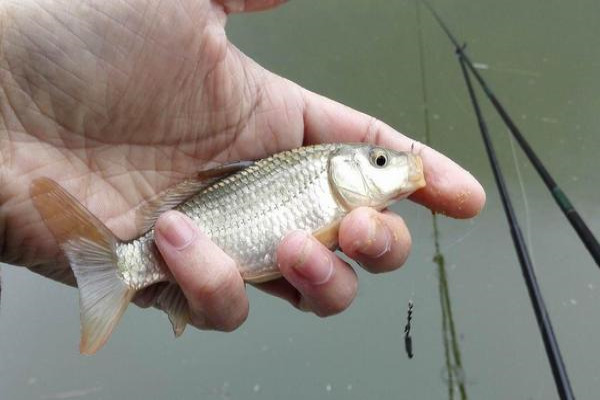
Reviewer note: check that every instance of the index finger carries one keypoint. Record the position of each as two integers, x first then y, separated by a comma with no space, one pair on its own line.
450,189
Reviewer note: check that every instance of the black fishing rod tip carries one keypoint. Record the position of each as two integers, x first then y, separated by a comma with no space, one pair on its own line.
460,49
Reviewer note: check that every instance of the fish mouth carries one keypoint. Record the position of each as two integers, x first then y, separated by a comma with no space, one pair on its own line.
416,175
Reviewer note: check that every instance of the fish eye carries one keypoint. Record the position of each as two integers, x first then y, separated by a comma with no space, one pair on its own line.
379,158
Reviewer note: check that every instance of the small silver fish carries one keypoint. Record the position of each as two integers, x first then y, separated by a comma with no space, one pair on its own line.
246,208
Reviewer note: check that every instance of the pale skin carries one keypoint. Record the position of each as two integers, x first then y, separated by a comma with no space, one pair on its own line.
119,100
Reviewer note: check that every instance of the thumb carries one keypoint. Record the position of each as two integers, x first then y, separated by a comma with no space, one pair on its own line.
208,277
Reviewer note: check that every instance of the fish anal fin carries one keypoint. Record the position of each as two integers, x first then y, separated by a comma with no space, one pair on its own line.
172,301
170,198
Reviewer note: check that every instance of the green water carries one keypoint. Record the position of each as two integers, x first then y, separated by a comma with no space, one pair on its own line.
543,60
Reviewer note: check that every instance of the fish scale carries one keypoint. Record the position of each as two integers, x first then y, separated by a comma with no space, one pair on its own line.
279,194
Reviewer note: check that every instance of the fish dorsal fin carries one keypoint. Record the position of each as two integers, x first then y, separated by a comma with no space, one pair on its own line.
223,170
149,212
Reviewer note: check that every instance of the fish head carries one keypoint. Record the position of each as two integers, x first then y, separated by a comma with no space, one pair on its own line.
371,176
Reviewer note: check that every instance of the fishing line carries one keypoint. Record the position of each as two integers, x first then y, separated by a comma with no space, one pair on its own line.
452,354
528,229
460,239
563,202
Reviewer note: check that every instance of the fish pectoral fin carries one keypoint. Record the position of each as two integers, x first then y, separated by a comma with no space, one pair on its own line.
328,235
148,212
90,248
172,301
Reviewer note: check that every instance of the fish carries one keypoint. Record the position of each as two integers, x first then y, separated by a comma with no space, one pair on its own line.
245,207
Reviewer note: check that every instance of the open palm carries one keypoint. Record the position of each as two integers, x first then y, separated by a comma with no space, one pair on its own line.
119,100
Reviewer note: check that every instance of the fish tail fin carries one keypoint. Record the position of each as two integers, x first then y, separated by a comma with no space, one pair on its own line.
90,248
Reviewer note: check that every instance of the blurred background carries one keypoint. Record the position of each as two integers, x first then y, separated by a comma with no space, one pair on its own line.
542,58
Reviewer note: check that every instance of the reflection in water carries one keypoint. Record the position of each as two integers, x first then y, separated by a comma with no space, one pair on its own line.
71,394
455,375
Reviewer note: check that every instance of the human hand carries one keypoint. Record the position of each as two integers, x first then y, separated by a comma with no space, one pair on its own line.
117,101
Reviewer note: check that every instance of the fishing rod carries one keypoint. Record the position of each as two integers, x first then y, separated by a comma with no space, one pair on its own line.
559,371
563,202
557,365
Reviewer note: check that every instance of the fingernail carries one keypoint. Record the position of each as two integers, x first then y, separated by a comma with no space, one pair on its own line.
379,240
177,230
313,265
